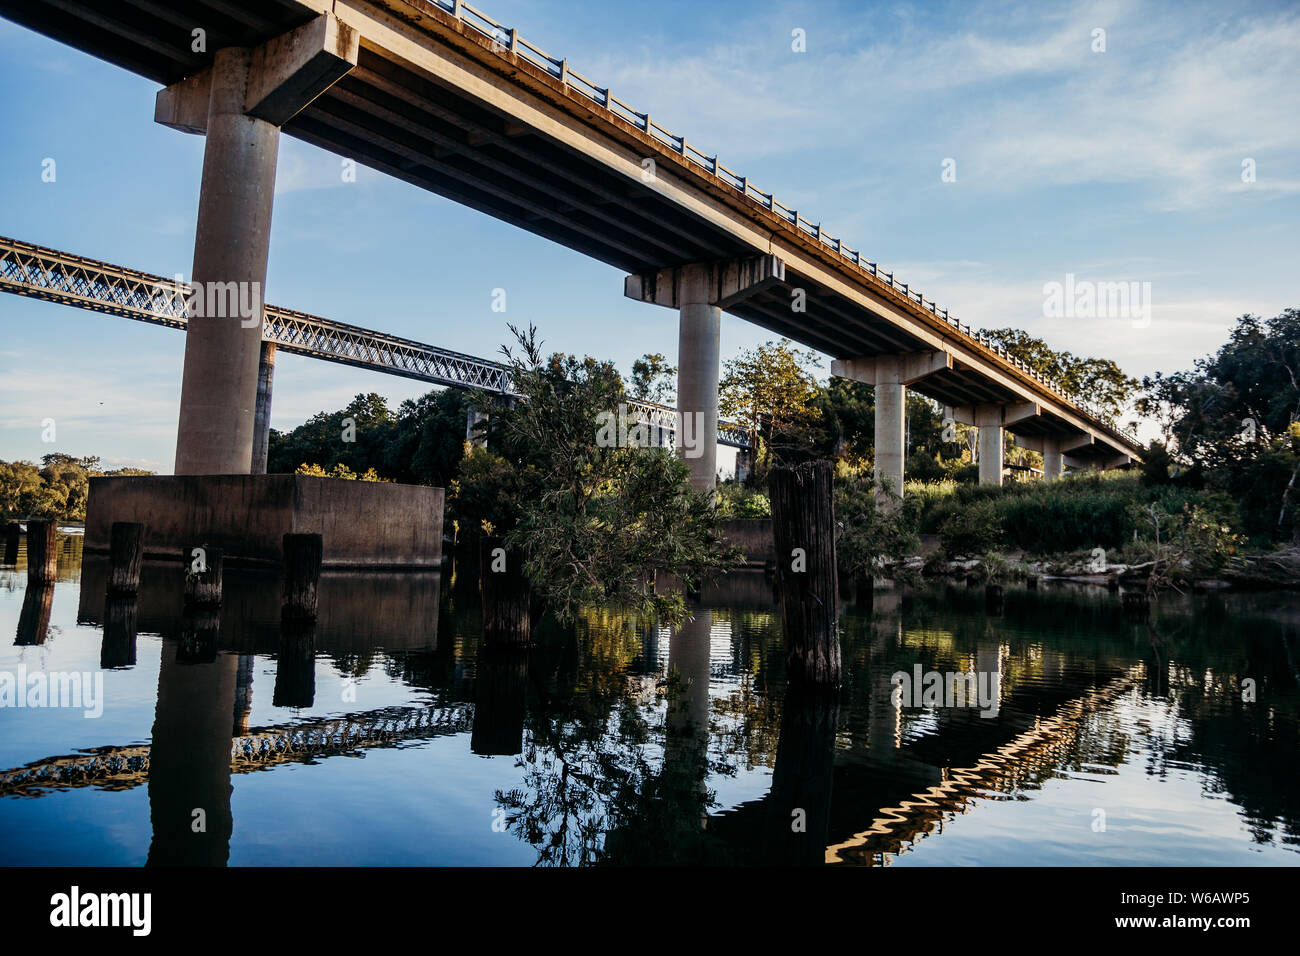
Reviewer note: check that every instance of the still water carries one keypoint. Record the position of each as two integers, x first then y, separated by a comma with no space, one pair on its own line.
390,736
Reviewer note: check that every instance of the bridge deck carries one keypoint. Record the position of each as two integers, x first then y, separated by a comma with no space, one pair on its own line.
447,99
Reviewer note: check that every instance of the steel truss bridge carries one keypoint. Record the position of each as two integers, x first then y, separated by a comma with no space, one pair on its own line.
55,276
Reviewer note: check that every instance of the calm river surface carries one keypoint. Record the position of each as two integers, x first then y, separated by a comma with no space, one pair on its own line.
400,741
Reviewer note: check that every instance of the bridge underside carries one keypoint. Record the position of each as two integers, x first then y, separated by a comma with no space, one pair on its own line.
439,103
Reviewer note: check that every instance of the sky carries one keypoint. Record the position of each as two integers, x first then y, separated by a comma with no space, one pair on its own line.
1122,164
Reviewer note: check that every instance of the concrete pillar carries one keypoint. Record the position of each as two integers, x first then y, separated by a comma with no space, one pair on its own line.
222,352
1053,465
697,378
891,424
472,434
262,417
989,422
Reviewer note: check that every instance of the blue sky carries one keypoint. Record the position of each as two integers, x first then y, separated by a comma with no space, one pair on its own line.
1123,165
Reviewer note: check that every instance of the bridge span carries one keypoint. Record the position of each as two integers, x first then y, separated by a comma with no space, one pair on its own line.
438,94
68,279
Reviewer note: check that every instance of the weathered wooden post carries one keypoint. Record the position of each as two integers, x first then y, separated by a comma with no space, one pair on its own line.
13,531
203,576
507,600
42,552
803,529
993,598
302,560
125,557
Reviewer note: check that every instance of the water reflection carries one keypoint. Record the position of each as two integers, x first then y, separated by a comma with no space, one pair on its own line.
618,741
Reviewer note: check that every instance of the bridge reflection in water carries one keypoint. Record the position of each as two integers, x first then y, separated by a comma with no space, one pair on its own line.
631,743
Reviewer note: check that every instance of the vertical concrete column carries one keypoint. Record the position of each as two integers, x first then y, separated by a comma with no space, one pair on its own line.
222,352
262,418
891,424
1053,465
472,434
988,419
697,377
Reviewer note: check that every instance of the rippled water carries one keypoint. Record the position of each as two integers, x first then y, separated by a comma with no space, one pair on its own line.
394,738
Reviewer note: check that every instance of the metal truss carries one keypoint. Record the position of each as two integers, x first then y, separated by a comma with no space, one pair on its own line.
55,276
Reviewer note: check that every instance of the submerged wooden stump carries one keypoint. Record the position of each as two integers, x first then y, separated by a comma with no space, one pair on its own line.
125,557
42,552
803,529
507,599
302,560
203,583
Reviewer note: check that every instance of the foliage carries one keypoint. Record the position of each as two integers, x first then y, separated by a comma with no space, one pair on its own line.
973,530
592,522
421,444
653,379
57,489
338,471
1230,421
735,500
874,528
1074,513
771,391
1184,545
1101,380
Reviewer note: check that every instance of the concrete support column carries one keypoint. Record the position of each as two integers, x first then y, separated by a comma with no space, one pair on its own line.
472,434
697,377
1053,464
891,424
222,351
989,422
262,419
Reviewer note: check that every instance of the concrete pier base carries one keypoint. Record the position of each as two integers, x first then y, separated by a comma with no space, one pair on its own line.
368,525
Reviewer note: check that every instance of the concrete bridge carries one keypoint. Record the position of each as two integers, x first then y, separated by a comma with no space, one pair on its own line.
53,275
438,94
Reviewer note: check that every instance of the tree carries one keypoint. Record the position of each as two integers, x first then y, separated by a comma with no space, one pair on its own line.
1101,382
592,520
772,392
1231,419
653,380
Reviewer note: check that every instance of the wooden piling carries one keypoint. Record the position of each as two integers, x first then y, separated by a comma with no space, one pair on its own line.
125,557
993,596
302,561
803,530
13,531
42,552
507,618
203,585
1136,604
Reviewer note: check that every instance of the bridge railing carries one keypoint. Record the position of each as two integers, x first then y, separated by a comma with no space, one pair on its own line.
507,39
